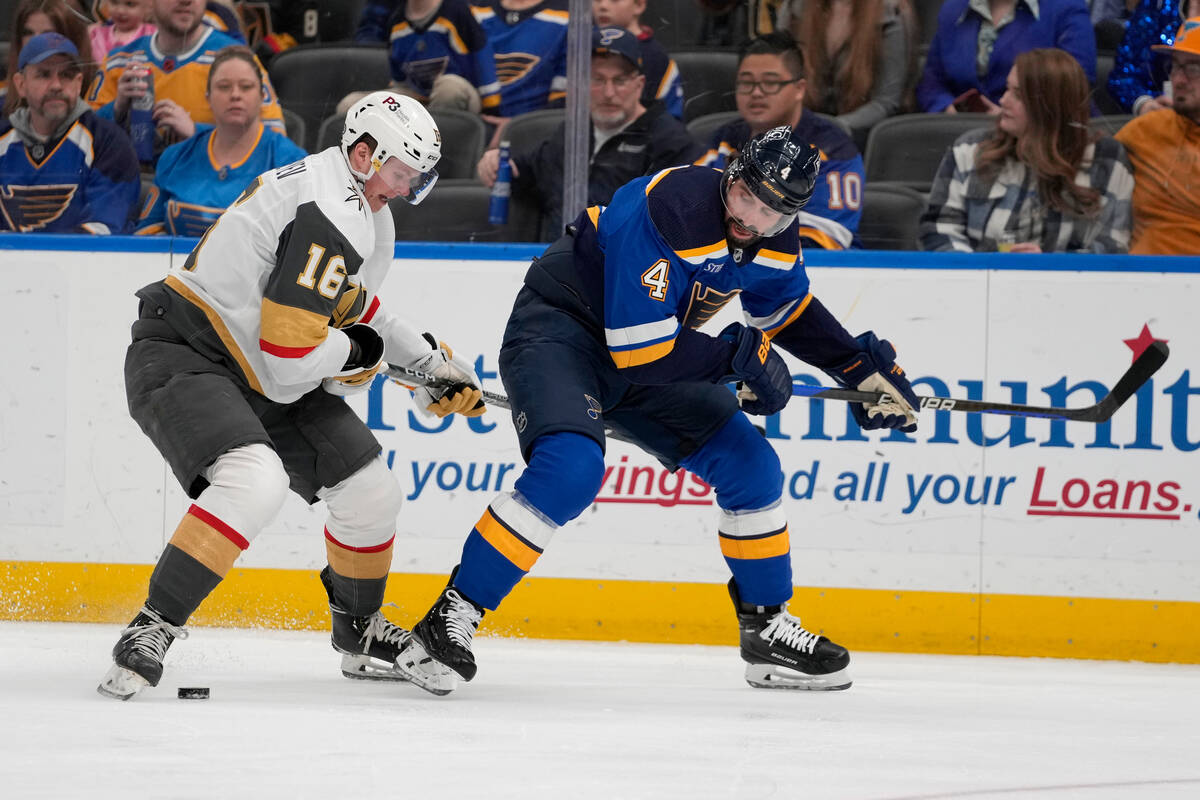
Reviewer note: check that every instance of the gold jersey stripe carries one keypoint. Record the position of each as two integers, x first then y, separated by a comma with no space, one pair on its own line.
497,534
291,327
356,564
758,548
206,544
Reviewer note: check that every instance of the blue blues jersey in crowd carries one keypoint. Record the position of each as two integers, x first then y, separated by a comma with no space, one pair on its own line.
86,181
191,189
531,53
662,75
830,219
451,41
657,260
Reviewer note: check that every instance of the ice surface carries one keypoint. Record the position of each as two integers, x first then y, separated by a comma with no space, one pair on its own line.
585,720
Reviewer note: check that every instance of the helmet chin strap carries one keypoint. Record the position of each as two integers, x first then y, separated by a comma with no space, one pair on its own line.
361,177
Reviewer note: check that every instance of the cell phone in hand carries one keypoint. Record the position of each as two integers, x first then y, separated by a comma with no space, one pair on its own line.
970,101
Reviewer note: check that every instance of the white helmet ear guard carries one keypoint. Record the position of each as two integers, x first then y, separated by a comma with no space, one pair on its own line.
402,129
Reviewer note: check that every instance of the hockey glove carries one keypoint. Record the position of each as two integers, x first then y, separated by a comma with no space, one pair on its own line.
463,396
766,378
365,359
874,369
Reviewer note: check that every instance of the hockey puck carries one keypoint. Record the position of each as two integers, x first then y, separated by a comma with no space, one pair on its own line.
193,692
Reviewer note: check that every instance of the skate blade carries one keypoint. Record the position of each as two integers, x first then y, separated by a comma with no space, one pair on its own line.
365,668
121,684
769,676
421,669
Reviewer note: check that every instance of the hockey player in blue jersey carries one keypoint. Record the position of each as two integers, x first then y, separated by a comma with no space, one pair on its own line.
770,87
62,168
604,335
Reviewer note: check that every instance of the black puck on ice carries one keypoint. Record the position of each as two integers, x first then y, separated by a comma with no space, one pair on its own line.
193,692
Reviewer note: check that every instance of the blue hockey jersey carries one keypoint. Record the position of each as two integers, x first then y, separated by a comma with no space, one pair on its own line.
86,181
658,258
830,219
191,189
531,54
451,42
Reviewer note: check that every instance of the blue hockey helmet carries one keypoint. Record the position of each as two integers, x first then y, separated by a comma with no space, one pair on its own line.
778,168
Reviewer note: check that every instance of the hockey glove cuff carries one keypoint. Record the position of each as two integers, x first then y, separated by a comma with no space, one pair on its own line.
462,397
874,369
766,377
364,361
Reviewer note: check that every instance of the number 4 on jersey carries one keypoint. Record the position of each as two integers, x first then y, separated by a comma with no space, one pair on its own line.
655,279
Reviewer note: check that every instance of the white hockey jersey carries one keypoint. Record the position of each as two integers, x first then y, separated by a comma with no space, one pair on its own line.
296,257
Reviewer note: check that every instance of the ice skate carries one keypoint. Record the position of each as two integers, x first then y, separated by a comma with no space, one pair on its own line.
439,653
138,655
369,645
780,654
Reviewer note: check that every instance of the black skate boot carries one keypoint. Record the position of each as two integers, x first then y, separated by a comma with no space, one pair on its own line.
369,645
439,652
138,655
780,654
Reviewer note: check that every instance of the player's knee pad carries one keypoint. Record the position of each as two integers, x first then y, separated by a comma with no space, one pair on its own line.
564,475
247,487
363,508
740,465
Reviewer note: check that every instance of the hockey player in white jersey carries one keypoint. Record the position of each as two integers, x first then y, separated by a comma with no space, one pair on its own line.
239,361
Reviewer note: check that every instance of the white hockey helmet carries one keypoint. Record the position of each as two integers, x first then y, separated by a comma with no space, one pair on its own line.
402,129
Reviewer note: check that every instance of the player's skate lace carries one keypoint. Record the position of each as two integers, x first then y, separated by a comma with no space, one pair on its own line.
153,639
787,629
462,618
379,629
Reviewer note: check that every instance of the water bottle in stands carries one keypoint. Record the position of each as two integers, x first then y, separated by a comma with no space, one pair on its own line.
141,120
501,189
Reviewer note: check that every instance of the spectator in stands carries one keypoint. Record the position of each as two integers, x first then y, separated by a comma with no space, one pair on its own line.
178,57
529,38
123,21
32,17
770,88
440,56
1039,181
198,178
1164,146
859,53
62,168
1137,77
373,21
977,42
661,72
628,140
221,15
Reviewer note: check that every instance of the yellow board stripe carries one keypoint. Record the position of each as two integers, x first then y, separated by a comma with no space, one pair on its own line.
768,546
960,623
511,546
642,355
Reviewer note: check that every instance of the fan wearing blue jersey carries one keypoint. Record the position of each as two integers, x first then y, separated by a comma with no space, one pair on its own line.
529,39
770,88
604,336
440,55
200,177
62,168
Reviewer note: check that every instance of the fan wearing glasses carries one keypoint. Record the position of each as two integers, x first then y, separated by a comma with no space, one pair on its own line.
1164,148
769,89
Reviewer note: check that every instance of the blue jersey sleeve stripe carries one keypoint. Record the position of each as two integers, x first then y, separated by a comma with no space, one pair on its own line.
642,355
785,316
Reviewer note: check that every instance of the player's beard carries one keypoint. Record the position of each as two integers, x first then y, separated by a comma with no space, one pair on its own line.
735,239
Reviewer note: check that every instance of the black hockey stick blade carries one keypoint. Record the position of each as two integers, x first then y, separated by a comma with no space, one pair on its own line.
1143,367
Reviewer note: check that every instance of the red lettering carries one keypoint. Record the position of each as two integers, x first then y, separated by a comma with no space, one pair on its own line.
1037,490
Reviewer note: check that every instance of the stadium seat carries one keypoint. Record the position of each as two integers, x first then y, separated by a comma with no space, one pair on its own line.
311,79
908,148
926,14
1103,100
703,128
1109,124
463,137
891,216
707,77
455,211
330,132
525,130
296,129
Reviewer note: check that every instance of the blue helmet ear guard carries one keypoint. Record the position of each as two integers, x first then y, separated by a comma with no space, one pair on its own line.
778,168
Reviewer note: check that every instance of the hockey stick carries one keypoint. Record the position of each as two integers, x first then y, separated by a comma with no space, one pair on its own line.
1138,373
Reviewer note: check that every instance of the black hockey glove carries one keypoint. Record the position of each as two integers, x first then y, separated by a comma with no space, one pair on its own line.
874,369
365,359
760,368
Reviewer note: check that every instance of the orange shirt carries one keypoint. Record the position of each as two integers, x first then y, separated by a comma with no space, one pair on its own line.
1164,148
